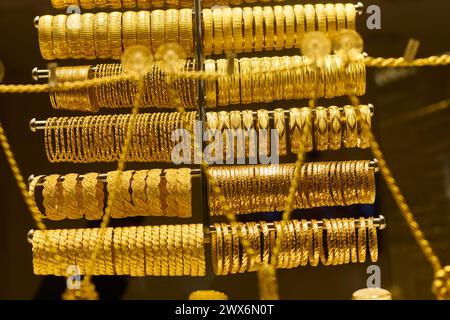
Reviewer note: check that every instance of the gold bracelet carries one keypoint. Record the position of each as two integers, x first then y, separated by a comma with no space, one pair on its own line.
129,36
373,240
330,13
362,240
132,250
223,81
321,18
352,241
235,92
263,127
157,29
200,252
364,125
279,27
210,84
129,4
334,126
219,250
246,80
186,31
164,252
218,42
171,26
247,15
350,14
179,259
171,249
300,30
60,36
321,128
340,16
310,17
258,17
238,39
331,242
350,128
58,4
289,17
256,79
157,250
280,126
269,28
73,24
342,239
227,30
101,35
208,39
115,34
46,44
228,247
235,265
143,31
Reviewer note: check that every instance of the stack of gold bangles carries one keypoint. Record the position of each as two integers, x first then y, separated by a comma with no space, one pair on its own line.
152,192
165,250
254,80
303,242
107,35
265,188
101,138
258,28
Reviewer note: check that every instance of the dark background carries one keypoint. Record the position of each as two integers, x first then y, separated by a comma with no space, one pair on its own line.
411,121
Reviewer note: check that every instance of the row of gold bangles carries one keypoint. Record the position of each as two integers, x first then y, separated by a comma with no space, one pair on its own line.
258,28
225,29
153,192
240,134
164,250
265,188
146,4
339,241
121,93
254,80
102,138
107,35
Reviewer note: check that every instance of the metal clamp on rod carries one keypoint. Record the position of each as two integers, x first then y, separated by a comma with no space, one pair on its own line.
379,222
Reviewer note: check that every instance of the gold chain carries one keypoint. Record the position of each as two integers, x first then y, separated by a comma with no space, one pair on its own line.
432,61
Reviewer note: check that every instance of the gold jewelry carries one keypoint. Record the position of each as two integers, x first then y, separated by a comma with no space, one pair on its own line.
210,84
228,247
321,128
352,240
310,15
289,17
101,35
247,15
362,240
45,33
129,29
73,25
164,253
364,124
186,31
331,18
223,82
157,25
280,126
246,80
334,126
350,128
259,28
171,26
321,18
340,16
238,40
218,42
218,255
208,39
350,14
157,250
299,25
269,36
263,126
143,30
60,36
227,30
279,27
373,241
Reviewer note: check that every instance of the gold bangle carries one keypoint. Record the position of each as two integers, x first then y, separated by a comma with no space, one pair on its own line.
310,17
245,261
321,18
238,39
331,242
247,15
258,37
208,38
218,43
132,249
227,252
235,96
227,30
148,251
343,240
269,27
157,29
46,44
164,253
143,31
223,82
101,35
200,252
186,31
58,4
115,34
289,16
364,124
246,80
318,246
340,16
129,29
373,241
350,128
350,14
330,13
263,127
280,126
321,128
171,26
294,129
299,12
306,128
256,79
279,27
157,250
210,84
362,240
129,4
235,265
60,36
73,25
171,250
334,126
219,254
179,261
352,241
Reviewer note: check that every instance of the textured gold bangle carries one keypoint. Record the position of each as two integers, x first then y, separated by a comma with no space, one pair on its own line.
178,247
227,30
331,242
73,25
238,39
310,17
340,16
210,84
46,45
218,31
352,241
247,15
269,28
245,260
101,35
131,249
223,82
342,240
129,35
199,241
219,250
208,38
148,251
334,128
263,126
228,249
330,13
279,27
258,23
58,4
157,250
364,125
350,14
373,240
256,79
306,128
115,34
289,20
235,250
300,28
362,240
321,128
171,25
108,251
60,36
235,91
129,4
172,255
143,30
164,253
52,194
294,129
157,29
69,192
280,126
246,80
350,128
186,31
321,18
